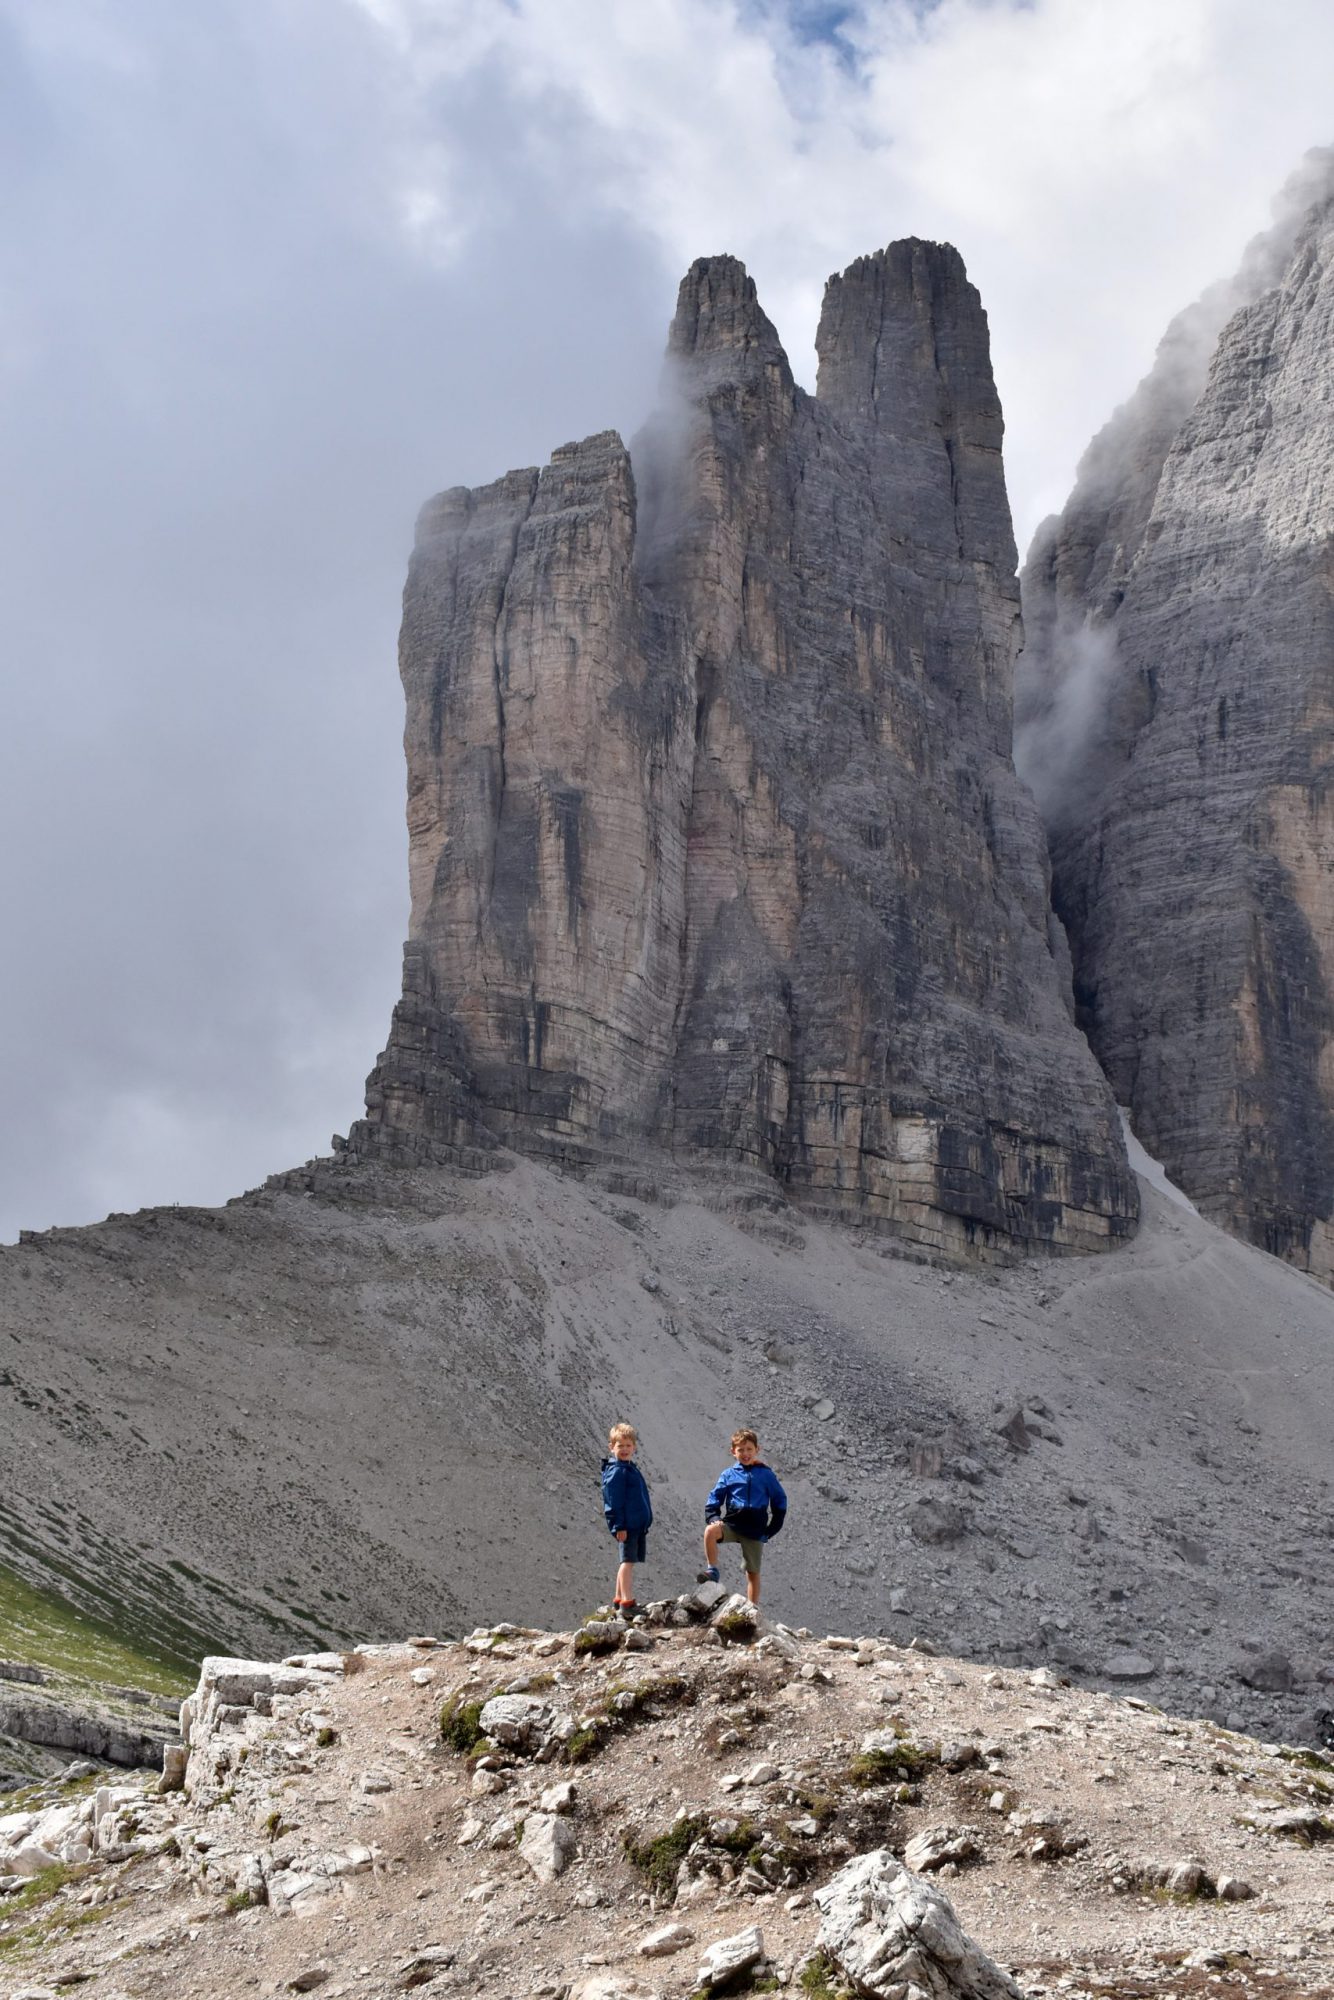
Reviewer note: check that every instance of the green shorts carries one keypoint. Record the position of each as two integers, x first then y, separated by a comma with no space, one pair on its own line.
751,1550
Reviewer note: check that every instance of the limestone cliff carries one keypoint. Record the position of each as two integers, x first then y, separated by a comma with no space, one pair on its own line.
1176,719
715,840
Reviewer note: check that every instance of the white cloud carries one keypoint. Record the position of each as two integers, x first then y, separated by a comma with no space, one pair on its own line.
271,274
1096,163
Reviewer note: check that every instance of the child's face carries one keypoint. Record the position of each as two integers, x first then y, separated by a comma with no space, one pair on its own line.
622,1447
745,1453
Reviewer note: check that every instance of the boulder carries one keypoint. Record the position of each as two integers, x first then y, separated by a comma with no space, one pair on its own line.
516,1720
891,1934
665,1940
547,1845
935,1845
731,1956
937,1522
1269,1671
1128,1666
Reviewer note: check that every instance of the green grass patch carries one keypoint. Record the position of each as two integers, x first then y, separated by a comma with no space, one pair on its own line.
461,1722
585,1742
1310,1760
39,1889
659,1859
906,1761
743,1842
53,1923
40,1627
735,1628
819,1978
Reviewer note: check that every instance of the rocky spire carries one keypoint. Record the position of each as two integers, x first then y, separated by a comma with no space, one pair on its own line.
718,853
720,330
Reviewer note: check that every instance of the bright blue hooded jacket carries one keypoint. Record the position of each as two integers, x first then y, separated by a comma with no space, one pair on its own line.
625,1500
749,1499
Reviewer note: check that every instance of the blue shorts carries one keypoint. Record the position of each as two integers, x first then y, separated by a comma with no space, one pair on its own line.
634,1549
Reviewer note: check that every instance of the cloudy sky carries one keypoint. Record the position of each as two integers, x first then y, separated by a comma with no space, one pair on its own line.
272,271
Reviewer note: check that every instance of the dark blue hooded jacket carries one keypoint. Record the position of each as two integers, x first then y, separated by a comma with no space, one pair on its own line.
749,1499
625,1500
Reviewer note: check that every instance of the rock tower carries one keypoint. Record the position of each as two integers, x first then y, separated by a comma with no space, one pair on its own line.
717,850
1177,722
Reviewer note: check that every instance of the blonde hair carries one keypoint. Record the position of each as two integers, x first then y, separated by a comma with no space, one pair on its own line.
745,1437
619,1431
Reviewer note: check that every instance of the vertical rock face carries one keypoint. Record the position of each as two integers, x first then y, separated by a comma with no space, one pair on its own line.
716,842
1176,719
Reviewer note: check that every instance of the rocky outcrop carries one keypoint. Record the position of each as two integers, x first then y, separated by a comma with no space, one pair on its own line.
58,1712
716,845
695,1823
891,1934
1176,715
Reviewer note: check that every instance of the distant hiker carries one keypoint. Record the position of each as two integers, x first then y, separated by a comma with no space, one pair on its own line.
629,1512
746,1506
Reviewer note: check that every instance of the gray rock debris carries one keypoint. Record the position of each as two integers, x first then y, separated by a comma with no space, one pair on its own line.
891,1933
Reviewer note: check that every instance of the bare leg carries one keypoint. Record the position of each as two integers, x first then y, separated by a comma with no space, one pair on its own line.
625,1583
713,1536
753,1585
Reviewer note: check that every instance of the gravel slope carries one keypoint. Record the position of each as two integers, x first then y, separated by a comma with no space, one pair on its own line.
363,1401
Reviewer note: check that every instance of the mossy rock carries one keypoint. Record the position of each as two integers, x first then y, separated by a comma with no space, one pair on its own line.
659,1859
461,1723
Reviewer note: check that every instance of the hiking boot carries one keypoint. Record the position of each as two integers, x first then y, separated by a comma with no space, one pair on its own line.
708,1575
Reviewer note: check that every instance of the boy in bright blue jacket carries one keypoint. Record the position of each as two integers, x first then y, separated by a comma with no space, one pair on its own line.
747,1506
626,1504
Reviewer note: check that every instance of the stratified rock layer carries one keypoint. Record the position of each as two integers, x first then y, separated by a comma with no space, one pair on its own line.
1177,723
715,840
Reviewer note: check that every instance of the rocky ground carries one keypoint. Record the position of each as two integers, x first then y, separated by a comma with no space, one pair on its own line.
593,1812
359,1401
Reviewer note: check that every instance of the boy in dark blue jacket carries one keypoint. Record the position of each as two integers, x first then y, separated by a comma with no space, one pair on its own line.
626,1504
747,1506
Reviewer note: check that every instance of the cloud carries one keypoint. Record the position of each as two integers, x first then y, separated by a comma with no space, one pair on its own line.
270,276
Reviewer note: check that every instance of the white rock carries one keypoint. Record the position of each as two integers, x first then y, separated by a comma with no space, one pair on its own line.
662,1942
892,1933
560,1798
547,1845
422,1676
763,1774
705,1597
237,1682
612,1986
936,1845
376,1781
730,1956
515,1719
